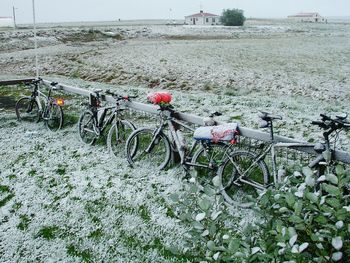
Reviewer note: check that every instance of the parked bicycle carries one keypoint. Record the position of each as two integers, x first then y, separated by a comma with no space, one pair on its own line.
157,148
39,106
244,167
95,120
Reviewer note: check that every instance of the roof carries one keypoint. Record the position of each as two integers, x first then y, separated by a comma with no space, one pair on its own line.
202,14
305,15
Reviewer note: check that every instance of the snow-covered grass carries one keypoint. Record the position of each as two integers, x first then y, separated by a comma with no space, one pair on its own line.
64,201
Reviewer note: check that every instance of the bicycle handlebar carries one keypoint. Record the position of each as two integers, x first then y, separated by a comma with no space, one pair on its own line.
332,123
119,97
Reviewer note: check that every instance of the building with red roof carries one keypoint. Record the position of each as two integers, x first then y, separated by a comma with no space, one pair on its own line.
202,18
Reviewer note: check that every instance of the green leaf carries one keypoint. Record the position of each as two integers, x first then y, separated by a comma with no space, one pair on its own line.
333,202
211,245
339,169
204,204
332,178
290,199
307,171
283,210
312,197
295,219
342,214
321,219
197,225
298,206
331,189
234,245
327,155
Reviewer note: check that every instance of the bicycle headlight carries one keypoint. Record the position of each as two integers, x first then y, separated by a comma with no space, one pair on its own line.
60,102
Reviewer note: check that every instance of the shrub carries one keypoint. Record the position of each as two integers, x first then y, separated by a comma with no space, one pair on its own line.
304,224
232,17
306,220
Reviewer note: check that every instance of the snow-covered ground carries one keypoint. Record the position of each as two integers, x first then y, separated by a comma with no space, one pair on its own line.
64,201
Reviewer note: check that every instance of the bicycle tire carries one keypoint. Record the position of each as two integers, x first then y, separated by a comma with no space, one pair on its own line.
54,117
213,155
27,109
257,177
160,153
118,135
86,128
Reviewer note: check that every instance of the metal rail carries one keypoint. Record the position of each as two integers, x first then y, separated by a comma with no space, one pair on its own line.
15,82
341,156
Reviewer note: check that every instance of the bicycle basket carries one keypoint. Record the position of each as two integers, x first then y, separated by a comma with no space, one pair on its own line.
159,98
225,132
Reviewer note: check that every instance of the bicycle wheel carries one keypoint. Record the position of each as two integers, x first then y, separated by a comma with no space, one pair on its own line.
117,136
53,117
256,174
159,152
211,156
27,109
86,128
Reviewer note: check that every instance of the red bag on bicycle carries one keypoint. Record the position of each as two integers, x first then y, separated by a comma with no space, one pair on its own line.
159,98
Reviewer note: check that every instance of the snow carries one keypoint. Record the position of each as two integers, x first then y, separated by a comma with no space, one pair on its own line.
88,202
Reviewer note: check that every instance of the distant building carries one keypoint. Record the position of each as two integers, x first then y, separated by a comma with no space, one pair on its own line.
202,19
6,22
308,17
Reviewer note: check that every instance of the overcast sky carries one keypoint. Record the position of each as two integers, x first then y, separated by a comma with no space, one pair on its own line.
103,10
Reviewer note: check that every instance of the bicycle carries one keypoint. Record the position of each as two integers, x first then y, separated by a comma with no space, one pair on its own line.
30,108
157,147
244,167
95,120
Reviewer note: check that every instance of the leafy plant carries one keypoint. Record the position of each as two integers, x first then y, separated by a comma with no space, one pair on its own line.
232,17
308,219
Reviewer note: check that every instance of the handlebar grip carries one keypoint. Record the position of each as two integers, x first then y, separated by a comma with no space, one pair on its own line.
325,117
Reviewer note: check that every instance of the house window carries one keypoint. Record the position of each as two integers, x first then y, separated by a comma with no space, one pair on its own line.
213,20
191,19
207,20
196,19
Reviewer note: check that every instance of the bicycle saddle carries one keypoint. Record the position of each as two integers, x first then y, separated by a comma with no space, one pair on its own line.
215,113
53,83
97,91
265,116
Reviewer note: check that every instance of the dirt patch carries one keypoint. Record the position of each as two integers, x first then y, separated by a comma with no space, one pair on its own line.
7,102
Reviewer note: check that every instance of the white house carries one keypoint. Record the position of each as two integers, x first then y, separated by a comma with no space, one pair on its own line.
202,19
308,17
6,22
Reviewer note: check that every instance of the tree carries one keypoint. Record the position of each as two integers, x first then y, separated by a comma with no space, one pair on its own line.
232,17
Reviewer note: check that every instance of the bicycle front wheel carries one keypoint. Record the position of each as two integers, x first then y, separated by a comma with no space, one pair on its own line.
207,159
27,109
54,117
151,149
241,168
117,136
86,128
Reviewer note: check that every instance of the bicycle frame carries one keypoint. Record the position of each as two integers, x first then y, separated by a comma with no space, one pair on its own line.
176,138
272,150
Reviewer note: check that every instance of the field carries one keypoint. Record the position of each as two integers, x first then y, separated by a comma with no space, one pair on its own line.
64,201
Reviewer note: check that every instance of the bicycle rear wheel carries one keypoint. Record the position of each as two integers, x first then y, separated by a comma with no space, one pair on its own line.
211,156
54,117
256,174
86,128
118,135
159,149
27,109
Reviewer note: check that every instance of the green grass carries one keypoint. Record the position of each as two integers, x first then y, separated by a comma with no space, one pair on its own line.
48,232
73,251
